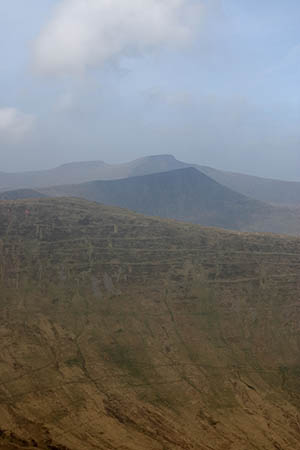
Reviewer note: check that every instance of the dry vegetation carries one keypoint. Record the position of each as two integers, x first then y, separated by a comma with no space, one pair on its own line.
125,332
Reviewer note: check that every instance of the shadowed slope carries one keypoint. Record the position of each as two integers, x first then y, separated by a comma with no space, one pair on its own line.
11,441
188,195
125,332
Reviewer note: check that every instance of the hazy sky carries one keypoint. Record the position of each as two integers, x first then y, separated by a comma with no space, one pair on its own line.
213,82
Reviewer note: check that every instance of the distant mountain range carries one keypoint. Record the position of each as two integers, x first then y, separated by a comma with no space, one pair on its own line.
80,172
263,189
187,195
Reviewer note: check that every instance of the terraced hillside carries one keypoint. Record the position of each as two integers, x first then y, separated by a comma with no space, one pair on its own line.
120,331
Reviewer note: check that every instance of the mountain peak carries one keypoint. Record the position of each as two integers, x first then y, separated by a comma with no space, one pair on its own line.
166,156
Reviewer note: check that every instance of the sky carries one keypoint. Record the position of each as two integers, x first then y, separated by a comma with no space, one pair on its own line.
213,82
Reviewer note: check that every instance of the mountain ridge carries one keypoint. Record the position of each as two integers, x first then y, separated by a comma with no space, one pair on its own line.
263,189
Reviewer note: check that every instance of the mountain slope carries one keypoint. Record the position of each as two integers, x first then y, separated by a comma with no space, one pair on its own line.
189,195
19,194
125,332
263,189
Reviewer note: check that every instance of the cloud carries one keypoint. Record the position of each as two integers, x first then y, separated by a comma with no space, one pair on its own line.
14,124
65,102
158,96
88,33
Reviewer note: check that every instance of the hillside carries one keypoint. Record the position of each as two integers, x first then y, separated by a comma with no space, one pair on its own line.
188,195
262,189
120,331
19,194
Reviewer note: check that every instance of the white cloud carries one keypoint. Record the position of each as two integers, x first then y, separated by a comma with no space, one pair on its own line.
87,33
14,124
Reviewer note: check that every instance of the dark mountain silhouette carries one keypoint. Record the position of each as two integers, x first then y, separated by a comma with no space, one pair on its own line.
188,195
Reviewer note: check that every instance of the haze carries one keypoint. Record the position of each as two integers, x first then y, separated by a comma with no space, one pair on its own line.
212,82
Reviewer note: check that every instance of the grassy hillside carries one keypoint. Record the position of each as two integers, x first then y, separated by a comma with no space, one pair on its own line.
188,195
125,332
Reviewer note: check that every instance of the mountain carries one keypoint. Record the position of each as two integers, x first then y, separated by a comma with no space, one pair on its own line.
262,189
188,195
80,172
20,194
120,331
